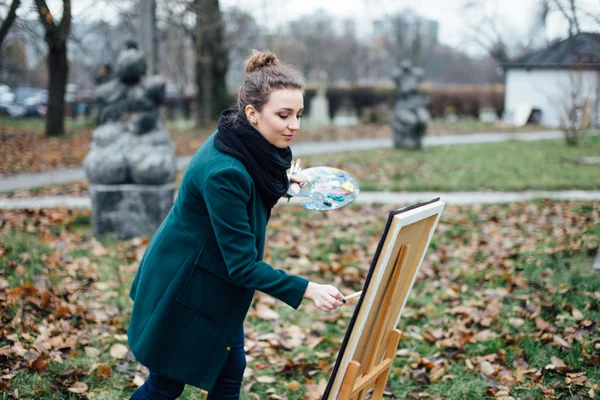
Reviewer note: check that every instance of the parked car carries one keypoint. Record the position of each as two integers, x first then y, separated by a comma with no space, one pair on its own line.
6,96
29,102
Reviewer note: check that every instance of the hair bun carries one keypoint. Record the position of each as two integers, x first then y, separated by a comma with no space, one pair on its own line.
259,60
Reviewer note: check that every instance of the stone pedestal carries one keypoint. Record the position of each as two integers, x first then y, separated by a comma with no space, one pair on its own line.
129,210
319,112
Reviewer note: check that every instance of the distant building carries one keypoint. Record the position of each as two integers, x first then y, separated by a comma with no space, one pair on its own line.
549,83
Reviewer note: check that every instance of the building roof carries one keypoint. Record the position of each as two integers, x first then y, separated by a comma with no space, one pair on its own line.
579,51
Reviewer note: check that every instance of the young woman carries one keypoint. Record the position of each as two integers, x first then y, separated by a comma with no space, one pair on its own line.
198,275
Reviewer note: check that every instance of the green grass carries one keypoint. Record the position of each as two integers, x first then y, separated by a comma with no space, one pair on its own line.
542,165
23,258
556,281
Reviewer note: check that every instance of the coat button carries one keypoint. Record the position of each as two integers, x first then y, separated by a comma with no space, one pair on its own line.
228,348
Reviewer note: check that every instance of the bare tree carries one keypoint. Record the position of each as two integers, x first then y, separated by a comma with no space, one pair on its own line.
498,38
574,104
57,35
202,20
13,63
211,60
242,34
486,31
148,36
570,11
404,41
11,16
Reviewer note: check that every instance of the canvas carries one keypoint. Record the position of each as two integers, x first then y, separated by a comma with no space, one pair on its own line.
370,342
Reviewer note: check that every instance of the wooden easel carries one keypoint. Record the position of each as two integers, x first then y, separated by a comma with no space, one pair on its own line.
376,370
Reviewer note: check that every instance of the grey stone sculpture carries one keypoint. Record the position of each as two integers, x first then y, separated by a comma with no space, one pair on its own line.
319,106
410,114
131,165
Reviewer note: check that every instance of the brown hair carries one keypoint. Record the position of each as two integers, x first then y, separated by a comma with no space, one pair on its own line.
264,74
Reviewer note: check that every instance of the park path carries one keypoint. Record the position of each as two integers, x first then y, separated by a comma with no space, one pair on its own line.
392,198
58,177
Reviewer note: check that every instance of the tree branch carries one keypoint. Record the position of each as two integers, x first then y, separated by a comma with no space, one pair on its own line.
45,15
65,23
574,12
565,14
10,18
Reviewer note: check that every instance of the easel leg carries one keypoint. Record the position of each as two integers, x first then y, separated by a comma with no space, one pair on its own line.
383,321
349,380
390,352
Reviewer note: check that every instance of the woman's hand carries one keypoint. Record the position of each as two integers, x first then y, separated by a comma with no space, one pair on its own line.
293,173
295,179
326,297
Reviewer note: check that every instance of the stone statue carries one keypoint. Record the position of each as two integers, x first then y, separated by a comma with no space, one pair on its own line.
319,105
132,158
131,145
322,82
410,114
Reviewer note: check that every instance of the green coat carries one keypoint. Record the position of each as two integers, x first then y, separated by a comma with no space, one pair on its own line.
197,278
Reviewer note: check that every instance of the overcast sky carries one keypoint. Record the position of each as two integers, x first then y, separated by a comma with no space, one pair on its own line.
514,17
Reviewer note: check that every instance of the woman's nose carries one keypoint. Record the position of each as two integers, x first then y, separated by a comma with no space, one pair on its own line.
295,125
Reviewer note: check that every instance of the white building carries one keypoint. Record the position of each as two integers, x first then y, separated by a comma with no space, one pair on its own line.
556,80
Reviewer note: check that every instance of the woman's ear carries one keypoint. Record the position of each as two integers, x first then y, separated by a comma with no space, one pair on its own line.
251,113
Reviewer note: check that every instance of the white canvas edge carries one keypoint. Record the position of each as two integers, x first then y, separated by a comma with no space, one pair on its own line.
406,218
431,232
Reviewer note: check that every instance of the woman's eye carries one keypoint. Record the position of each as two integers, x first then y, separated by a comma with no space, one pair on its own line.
283,116
299,116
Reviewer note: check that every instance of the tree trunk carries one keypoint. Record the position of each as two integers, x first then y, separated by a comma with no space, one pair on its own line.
220,64
58,66
9,20
58,71
148,35
211,61
200,69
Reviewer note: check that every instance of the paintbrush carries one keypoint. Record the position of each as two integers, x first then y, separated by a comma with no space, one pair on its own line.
353,295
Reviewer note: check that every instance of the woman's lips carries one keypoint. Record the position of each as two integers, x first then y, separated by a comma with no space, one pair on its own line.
288,137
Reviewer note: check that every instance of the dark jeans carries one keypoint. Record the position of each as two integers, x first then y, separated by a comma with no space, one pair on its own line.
227,386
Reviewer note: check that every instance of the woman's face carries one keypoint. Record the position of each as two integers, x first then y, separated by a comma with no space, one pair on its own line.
279,119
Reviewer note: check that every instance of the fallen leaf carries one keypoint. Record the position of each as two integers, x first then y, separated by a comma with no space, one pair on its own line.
315,391
469,365
118,351
560,341
265,379
487,368
266,313
292,337
484,335
516,322
420,376
558,363
541,324
103,371
92,352
40,363
293,385
578,315
78,387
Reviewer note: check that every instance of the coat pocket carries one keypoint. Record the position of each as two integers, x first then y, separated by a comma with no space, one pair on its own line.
206,293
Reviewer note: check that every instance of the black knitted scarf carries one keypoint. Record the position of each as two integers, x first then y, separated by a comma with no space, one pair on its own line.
266,164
